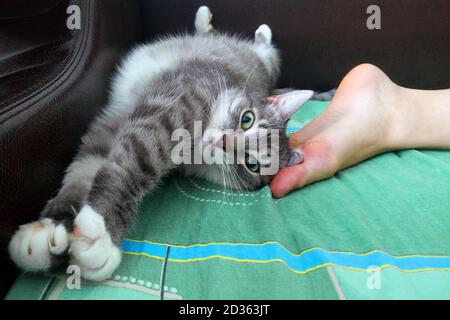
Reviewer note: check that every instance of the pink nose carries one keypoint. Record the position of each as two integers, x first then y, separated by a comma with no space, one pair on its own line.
221,143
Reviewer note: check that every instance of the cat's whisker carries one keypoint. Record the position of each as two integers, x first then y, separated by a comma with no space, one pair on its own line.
228,182
233,182
239,180
236,181
224,194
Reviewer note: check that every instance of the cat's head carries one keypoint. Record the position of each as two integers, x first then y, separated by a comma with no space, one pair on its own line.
249,117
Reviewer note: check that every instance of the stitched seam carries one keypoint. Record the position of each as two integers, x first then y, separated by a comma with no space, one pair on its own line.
64,67
29,92
74,64
21,97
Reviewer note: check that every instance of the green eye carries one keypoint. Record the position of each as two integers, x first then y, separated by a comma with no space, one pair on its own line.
247,120
252,164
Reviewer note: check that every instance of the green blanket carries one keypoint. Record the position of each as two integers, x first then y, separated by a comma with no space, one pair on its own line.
380,229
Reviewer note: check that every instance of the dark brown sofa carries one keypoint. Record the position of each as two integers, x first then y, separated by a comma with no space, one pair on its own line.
53,80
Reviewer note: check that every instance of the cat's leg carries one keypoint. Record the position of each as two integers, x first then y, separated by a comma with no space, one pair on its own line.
42,245
263,35
267,53
137,162
203,20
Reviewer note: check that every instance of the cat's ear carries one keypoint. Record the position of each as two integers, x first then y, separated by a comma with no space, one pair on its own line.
286,104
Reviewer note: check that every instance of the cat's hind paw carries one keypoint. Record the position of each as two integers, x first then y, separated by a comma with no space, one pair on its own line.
203,20
92,248
263,35
33,246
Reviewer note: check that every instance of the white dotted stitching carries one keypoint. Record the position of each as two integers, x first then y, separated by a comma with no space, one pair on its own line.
143,283
184,193
253,194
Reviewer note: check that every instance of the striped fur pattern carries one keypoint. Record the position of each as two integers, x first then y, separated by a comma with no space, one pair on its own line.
160,87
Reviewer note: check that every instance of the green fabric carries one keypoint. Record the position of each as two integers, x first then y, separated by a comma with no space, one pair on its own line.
391,211
395,284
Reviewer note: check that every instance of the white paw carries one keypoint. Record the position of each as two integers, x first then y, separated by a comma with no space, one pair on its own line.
203,19
263,35
33,244
91,248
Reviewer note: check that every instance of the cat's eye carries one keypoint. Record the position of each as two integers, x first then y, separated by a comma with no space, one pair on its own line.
247,120
252,164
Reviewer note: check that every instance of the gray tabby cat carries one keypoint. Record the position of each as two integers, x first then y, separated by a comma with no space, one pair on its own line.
218,79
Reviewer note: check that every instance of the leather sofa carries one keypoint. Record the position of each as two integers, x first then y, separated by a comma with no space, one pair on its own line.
53,80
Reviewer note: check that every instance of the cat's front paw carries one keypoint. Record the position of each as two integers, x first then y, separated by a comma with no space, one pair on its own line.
91,247
35,245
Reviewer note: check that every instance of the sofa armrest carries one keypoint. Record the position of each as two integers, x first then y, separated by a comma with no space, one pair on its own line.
53,81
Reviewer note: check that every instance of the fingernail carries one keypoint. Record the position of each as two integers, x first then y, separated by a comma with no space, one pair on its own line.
296,158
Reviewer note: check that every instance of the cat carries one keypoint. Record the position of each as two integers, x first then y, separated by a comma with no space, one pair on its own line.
221,80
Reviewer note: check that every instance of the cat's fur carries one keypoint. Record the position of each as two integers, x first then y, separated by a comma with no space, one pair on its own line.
160,87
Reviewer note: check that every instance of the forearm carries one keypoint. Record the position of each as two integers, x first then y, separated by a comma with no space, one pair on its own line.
423,120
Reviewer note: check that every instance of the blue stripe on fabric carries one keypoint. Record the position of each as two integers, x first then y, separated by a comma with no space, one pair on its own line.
308,260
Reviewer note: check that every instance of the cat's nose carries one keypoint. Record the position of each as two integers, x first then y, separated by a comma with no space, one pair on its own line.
221,142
